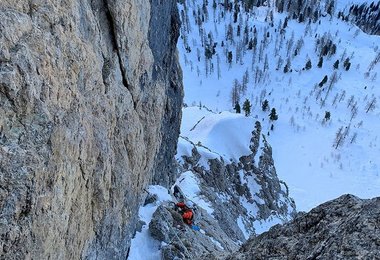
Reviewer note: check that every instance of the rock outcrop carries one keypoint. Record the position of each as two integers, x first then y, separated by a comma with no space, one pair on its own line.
180,241
242,192
90,96
230,200
344,228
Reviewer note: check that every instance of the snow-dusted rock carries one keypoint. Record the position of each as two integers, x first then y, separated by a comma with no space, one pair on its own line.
344,228
180,240
243,194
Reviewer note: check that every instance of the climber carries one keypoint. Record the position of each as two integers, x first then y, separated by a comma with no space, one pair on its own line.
178,193
186,212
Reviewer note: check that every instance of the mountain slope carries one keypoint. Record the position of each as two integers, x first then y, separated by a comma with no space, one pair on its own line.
231,53
326,135
236,191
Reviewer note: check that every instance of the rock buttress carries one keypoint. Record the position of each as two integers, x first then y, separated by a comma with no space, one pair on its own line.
87,93
344,228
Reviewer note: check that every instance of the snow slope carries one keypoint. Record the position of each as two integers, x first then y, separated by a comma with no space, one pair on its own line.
304,144
218,132
143,246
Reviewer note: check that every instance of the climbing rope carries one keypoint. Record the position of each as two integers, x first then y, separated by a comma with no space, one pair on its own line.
176,235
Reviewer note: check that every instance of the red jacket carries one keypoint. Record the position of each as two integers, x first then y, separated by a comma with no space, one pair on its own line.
187,213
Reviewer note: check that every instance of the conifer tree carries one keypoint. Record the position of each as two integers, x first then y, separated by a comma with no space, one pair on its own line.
308,65
327,115
320,62
285,23
324,80
273,115
237,108
250,44
336,64
347,64
286,68
229,57
265,105
247,107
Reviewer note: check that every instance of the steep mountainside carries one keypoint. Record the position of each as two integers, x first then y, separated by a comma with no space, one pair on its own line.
90,96
234,196
242,190
293,74
307,62
344,228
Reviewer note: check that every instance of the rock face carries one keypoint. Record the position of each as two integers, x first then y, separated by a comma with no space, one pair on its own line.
244,191
344,228
182,242
230,199
87,91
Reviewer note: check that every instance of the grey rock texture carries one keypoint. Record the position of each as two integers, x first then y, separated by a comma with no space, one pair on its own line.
344,228
163,42
248,188
90,95
181,242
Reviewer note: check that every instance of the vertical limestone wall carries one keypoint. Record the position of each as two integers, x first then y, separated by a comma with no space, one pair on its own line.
90,96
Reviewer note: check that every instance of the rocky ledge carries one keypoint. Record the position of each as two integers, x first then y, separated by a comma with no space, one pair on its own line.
344,228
